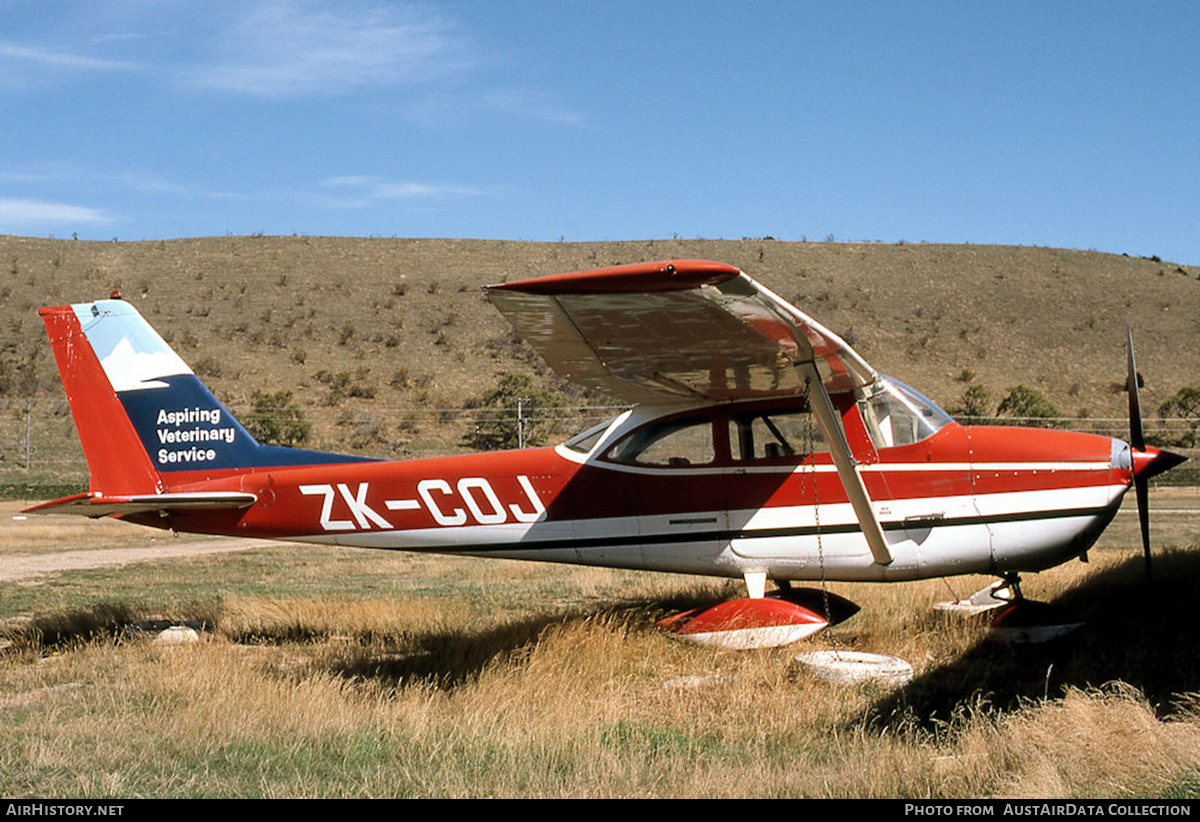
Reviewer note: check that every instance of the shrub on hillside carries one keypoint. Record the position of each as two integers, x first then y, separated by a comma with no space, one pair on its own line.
276,419
1184,405
974,407
1028,407
516,412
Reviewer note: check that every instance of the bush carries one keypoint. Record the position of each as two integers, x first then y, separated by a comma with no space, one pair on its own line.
345,384
1186,405
974,406
516,412
1029,405
276,419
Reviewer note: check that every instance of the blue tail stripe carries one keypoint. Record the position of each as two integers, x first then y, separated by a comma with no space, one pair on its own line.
183,427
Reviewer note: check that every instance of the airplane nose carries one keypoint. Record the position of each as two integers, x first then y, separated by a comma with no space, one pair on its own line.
1154,461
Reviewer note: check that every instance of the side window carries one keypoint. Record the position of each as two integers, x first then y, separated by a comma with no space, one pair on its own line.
673,443
778,435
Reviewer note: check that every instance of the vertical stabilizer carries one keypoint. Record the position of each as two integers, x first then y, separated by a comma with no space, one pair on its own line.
143,417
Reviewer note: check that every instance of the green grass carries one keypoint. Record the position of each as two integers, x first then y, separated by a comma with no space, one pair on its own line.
294,571
1185,786
38,489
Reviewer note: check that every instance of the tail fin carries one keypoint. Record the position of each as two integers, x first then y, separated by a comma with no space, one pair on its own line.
142,415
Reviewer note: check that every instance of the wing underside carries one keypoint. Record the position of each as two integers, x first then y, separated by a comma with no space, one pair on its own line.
651,332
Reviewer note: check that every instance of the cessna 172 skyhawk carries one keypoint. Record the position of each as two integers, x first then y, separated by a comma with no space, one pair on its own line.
760,446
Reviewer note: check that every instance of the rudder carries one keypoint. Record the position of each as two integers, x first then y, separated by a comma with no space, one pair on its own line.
117,460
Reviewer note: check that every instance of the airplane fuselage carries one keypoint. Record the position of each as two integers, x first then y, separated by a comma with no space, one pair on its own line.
964,500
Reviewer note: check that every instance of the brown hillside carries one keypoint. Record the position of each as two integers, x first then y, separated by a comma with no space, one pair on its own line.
402,324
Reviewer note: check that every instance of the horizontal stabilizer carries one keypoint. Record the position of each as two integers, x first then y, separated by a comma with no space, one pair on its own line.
98,505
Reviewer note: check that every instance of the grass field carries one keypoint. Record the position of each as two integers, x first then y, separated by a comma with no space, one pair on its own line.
335,672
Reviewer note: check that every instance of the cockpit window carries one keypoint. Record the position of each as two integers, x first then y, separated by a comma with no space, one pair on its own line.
674,443
897,415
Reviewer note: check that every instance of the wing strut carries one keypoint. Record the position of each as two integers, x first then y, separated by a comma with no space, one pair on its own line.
843,460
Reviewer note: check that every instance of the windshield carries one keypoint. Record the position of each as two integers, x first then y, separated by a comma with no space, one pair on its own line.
898,415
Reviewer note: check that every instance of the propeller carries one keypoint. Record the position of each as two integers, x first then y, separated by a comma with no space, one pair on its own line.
1147,462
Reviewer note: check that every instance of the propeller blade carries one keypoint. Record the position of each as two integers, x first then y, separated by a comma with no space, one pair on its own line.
1147,462
1137,440
1137,436
1142,487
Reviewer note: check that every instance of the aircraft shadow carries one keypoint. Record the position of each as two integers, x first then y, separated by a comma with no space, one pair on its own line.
1141,633
447,659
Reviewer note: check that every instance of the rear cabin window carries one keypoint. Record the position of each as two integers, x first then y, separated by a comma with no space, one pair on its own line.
672,443
585,442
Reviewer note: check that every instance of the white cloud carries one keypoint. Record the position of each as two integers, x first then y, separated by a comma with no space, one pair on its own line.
362,190
409,190
117,37
285,48
531,105
148,183
62,59
19,212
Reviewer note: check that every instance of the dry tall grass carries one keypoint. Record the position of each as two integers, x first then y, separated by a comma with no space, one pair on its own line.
434,696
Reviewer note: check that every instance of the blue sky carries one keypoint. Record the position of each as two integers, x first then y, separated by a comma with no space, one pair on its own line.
1030,123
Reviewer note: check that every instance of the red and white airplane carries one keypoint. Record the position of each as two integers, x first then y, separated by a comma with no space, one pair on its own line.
760,446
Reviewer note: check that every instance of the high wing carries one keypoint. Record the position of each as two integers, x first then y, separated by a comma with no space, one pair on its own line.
676,331
688,330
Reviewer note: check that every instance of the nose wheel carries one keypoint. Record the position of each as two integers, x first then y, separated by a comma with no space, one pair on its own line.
1004,591
1014,620
1008,589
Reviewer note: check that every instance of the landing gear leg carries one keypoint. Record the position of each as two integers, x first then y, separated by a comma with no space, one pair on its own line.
1008,588
756,584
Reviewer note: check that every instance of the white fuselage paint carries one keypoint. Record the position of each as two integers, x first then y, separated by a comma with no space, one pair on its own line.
988,533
